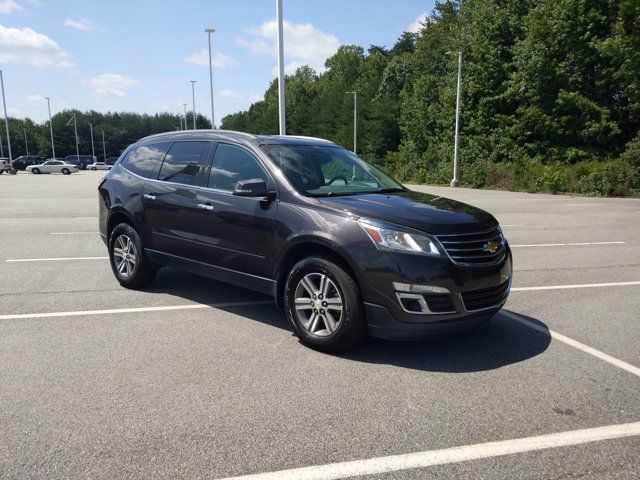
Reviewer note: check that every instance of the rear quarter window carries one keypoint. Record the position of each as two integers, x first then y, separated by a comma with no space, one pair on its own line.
143,160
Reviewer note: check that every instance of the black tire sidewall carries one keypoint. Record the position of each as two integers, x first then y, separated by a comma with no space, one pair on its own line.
143,272
352,326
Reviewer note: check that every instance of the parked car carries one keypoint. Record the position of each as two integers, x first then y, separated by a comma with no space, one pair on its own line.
5,166
98,166
344,248
80,160
111,160
22,162
53,166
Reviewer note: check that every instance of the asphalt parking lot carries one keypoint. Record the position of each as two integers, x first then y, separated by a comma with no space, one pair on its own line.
196,379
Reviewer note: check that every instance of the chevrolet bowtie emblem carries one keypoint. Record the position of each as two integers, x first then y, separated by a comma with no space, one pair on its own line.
491,247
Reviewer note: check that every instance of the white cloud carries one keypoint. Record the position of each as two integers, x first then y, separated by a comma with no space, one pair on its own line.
201,58
9,6
81,24
26,46
304,43
254,97
416,25
228,93
35,99
111,85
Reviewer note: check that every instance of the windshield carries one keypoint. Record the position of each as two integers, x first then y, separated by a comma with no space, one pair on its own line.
321,171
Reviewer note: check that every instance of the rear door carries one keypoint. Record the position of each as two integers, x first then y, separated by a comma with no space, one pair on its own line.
237,232
170,201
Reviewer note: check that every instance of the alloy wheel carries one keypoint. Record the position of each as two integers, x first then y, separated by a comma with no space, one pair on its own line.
318,304
124,255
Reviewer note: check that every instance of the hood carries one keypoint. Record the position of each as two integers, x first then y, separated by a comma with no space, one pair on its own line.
421,211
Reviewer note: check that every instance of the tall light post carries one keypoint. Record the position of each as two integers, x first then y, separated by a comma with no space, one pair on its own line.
6,118
209,31
93,151
26,144
455,182
185,115
281,108
53,148
75,128
1,151
193,99
355,120
104,148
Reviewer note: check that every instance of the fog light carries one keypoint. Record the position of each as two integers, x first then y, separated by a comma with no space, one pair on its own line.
407,287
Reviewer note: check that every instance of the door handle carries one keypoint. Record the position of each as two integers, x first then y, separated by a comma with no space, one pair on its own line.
205,206
149,196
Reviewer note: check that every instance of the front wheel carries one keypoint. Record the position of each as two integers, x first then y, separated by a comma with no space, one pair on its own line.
129,263
35,171
323,305
65,171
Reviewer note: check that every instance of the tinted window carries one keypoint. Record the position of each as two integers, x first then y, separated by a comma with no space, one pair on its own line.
232,164
142,160
183,162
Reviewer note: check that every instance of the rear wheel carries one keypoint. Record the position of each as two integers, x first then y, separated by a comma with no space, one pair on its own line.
65,171
93,168
129,263
323,305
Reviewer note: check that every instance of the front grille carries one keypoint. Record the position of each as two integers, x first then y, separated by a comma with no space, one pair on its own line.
439,302
485,297
474,248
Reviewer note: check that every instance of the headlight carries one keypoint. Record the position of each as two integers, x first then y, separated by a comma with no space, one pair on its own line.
386,238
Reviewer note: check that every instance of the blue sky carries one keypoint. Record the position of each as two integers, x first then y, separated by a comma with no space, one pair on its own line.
140,55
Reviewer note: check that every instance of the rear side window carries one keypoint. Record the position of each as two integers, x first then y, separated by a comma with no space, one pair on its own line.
232,164
184,162
142,160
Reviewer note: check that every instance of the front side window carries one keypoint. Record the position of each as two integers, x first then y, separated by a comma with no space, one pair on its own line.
232,164
142,160
183,162
329,170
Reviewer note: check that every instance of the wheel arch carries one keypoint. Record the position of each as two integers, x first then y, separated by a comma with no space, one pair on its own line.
118,216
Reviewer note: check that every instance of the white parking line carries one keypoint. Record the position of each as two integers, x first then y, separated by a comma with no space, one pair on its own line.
54,259
394,463
583,204
573,343
190,306
579,285
576,244
510,225
73,233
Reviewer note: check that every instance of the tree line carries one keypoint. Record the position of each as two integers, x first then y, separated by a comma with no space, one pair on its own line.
120,130
550,97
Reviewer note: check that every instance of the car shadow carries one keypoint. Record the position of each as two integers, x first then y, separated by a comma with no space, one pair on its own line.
500,342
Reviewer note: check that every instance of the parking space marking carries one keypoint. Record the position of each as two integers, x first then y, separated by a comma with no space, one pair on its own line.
73,233
508,225
584,204
429,458
575,244
79,313
573,343
579,285
53,259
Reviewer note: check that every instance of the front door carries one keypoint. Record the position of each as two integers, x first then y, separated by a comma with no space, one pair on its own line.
238,231
171,202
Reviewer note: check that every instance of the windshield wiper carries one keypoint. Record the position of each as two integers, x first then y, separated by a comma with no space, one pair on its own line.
390,190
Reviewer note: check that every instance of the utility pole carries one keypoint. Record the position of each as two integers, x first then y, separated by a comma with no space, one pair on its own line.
355,120
1,151
213,118
185,115
26,145
193,98
6,118
104,148
93,152
455,182
53,148
281,104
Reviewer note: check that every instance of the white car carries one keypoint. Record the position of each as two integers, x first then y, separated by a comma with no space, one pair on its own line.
98,166
53,166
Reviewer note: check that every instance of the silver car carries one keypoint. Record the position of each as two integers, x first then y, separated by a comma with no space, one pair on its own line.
53,166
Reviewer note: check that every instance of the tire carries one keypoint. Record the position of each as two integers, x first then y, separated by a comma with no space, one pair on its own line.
35,171
319,325
1,172
65,171
93,168
138,272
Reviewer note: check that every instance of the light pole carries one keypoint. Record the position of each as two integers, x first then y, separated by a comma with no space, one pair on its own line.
185,115
93,152
209,31
355,120
1,151
193,99
6,118
26,145
53,148
104,149
75,128
455,182
281,107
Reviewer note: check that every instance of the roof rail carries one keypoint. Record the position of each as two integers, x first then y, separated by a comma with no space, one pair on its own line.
205,130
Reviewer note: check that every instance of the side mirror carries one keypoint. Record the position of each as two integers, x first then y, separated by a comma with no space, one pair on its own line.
253,187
